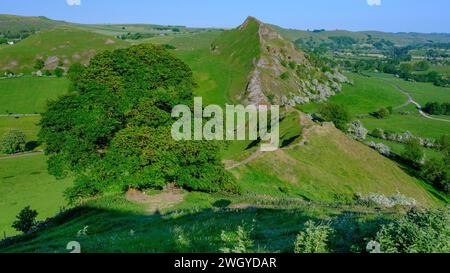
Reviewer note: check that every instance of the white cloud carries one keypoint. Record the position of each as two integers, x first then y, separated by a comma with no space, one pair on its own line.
73,2
374,3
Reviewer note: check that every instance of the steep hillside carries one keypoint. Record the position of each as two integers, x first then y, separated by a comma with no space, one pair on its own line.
278,73
64,45
327,166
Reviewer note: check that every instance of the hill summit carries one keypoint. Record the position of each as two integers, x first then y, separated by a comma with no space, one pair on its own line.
278,72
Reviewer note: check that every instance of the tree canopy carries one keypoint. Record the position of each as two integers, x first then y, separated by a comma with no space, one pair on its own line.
113,129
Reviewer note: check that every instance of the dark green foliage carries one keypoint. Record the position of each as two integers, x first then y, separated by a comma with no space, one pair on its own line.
284,76
382,113
413,152
437,172
26,220
39,64
59,72
421,66
419,231
12,142
113,130
336,113
3,41
436,108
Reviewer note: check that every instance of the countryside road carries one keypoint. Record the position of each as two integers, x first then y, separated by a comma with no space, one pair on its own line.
411,100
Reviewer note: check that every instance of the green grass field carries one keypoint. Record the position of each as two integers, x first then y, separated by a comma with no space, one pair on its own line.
421,92
366,95
29,95
28,125
116,225
24,181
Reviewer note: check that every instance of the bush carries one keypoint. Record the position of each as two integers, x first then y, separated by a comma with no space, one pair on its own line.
382,113
314,239
13,142
413,152
238,241
357,131
336,113
39,64
437,172
26,220
59,72
284,76
419,231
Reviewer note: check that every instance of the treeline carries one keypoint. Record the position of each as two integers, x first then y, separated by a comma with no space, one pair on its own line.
436,108
136,36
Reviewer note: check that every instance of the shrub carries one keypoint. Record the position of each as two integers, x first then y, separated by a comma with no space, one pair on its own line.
437,172
357,131
238,241
314,239
419,231
59,72
336,113
284,76
13,142
413,152
378,133
39,64
382,113
26,220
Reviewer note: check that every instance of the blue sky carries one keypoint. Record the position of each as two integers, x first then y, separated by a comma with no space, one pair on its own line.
383,15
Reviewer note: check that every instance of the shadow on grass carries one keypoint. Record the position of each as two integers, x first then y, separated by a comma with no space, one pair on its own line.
122,231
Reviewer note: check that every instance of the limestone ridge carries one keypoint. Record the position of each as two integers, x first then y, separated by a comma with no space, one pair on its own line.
285,75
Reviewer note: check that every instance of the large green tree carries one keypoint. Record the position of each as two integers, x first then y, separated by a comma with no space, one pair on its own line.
113,130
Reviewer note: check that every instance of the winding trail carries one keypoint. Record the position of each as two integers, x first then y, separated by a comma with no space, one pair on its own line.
411,101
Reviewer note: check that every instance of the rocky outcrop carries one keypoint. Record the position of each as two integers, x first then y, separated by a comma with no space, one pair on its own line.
285,75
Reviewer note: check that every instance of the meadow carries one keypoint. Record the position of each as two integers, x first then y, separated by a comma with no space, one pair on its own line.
24,181
366,95
29,95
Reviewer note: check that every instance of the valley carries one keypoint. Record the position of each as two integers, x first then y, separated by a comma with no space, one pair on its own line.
322,172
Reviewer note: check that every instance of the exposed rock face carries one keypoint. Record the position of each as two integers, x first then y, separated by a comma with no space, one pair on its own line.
285,75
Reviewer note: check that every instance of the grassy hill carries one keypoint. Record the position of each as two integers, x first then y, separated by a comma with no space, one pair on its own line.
63,44
14,23
330,167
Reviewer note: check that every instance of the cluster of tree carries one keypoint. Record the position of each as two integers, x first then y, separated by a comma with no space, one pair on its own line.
17,35
136,36
3,41
436,171
436,108
336,113
343,41
113,131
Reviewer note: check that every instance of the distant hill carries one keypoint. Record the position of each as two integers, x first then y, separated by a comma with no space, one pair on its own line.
60,45
399,39
14,23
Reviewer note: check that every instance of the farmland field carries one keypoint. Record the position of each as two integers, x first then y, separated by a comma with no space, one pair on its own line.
29,95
